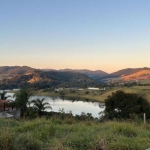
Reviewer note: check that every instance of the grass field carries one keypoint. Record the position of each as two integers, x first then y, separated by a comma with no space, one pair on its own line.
99,95
70,134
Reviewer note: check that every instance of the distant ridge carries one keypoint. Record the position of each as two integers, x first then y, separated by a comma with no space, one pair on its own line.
140,75
15,70
92,74
128,71
98,75
19,77
20,70
130,74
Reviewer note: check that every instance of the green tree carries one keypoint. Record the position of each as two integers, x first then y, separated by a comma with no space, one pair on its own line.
40,105
121,105
22,98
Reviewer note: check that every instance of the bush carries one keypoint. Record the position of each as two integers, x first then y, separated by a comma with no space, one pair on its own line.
122,105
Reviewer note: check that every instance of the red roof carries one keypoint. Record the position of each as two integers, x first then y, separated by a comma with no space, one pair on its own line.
3,101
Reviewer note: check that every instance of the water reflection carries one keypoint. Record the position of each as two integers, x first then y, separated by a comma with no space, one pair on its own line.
75,105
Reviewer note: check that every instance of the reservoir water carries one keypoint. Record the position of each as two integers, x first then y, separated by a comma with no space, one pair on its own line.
77,106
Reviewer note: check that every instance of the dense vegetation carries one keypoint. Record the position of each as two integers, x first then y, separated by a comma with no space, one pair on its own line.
123,105
71,134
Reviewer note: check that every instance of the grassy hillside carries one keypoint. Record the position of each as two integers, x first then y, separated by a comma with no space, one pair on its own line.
98,95
129,74
70,134
128,71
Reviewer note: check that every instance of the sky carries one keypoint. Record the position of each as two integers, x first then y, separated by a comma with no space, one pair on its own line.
106,35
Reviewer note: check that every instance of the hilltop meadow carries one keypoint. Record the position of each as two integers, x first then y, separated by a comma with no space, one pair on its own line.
38,130
72,134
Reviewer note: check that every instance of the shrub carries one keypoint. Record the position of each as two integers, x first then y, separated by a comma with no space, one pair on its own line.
121,105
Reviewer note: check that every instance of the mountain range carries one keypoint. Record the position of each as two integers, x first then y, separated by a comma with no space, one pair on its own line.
19,76
12,77
92,74
124,74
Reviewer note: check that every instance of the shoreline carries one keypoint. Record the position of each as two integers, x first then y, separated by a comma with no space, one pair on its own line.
89,97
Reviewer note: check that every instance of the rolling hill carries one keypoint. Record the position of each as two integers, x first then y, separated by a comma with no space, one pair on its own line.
92,74
140,75
128,71
17,76
15,70
46,79
11,71
129,74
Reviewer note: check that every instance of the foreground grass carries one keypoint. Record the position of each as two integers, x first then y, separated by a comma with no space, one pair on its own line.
99,95
70,134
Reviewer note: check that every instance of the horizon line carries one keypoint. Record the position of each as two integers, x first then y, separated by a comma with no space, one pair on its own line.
72,69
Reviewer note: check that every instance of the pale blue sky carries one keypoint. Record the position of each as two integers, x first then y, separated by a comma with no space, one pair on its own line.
80,34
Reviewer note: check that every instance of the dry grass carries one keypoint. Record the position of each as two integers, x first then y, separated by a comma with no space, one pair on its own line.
144,74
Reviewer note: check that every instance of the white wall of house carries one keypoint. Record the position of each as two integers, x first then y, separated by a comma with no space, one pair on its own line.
92,88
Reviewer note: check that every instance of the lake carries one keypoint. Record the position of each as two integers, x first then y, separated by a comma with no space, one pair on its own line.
77,106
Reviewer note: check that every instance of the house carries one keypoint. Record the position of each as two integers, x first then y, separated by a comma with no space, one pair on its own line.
8,109
92,88
4,104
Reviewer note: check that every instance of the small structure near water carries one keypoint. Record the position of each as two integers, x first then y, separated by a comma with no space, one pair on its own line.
8,111
4,104
92,88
